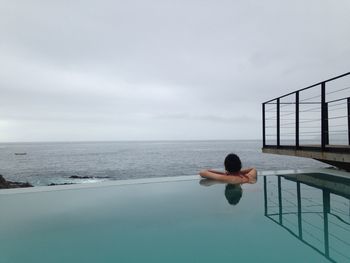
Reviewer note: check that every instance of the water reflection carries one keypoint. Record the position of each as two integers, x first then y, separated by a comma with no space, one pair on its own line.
233,192
315,208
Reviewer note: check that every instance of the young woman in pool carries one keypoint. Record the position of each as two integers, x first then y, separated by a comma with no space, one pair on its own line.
234,174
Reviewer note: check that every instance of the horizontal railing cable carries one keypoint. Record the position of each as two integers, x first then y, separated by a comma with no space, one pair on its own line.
336,91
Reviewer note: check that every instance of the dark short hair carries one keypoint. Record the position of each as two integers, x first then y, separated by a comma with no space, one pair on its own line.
233,193
232,163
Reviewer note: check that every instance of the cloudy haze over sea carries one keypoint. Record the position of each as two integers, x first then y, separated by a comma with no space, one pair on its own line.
155,70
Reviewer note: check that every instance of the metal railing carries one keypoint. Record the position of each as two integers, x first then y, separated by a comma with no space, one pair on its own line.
316,117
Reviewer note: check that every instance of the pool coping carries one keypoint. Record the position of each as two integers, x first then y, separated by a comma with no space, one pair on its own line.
38,189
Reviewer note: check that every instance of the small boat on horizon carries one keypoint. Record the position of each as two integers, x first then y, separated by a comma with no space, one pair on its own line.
20,153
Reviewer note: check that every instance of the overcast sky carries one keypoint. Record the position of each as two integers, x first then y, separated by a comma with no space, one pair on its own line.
155,70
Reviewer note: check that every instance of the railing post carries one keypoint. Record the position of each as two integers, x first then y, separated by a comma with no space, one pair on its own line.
265,195
297,119
300,226
348,100
326,210
263,128
326,122
324,117
278,122
280,211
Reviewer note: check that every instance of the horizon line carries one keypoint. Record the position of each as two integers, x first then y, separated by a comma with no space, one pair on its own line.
102,141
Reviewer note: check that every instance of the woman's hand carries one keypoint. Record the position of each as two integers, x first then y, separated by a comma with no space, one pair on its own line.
251,173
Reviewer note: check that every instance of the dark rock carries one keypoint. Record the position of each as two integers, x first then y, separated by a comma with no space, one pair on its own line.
80,177
52,184
2,180
4,184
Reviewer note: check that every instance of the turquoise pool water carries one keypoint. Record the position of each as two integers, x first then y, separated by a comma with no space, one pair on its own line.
278,219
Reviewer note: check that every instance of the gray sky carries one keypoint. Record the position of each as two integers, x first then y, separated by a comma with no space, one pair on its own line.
155,70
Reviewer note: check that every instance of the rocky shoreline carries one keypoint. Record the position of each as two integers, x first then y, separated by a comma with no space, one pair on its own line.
4,184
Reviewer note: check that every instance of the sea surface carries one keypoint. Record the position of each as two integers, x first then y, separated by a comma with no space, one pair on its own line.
46,163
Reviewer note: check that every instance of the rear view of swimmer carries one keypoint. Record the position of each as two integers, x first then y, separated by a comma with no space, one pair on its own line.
234,174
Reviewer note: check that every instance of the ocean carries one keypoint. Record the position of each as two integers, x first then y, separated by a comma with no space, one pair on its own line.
47,163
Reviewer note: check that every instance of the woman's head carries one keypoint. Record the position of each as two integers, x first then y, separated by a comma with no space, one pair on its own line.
232,163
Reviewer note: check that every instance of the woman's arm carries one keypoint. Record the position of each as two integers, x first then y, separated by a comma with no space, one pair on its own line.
223,177
217,172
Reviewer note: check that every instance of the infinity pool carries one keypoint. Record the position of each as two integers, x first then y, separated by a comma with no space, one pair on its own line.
288,218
